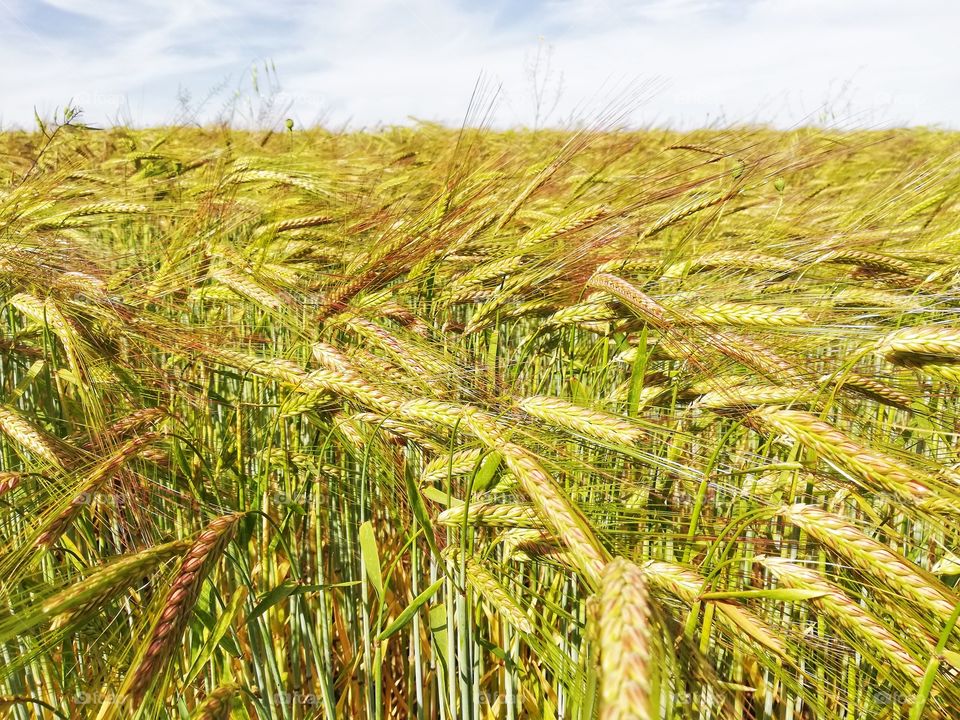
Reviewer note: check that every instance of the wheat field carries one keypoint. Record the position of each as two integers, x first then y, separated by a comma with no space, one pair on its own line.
426,423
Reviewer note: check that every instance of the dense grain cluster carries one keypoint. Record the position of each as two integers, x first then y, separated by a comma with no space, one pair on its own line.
416,423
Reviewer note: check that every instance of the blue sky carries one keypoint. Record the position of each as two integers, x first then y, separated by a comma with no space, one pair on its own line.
683,63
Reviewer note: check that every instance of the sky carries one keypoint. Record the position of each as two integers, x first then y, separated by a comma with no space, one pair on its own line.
368,63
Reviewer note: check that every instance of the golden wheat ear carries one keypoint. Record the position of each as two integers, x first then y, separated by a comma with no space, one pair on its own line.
177,607
217,705
626,660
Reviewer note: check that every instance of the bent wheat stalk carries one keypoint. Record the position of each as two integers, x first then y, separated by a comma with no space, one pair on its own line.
687,585
97,478
97,586
559,514
744,350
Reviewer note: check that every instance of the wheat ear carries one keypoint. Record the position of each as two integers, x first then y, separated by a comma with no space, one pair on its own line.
490,515
216,706
873,470
100,475
750,315
846,613
942,341
865,259
9,481
873,558
490,589
31,437
591,423
179,601
687,585
460,463
625,642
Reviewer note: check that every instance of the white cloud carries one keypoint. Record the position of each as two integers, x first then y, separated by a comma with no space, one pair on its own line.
689,62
